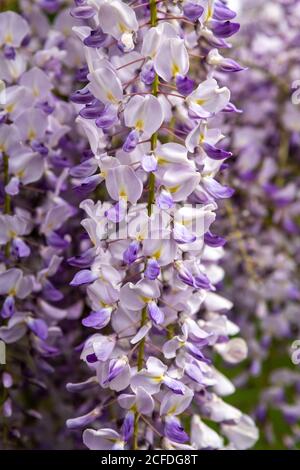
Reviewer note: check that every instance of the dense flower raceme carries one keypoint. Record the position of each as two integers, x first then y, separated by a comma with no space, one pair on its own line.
155,318
36,147
262,261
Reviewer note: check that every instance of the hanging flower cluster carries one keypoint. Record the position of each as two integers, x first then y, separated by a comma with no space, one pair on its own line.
150,110
262,260
37,66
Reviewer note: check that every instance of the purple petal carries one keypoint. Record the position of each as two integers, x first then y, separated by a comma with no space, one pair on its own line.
152,270
85,276
38,327
164,200
12,188
83,12
149,163
215,189
185,85
174,431
81,74
56,241
215,153
201,281
83,261
194,372
9,52
130,254
98,319
117,212
92,110
8,307
7,380
128,426
214,240
231,108
186,276
229,65
96,38
83,96
39,147
148,73
175,385
192,11
84,420
224,30
195,352
116,367
131,141
154,312
222,12
21,248
84,169
89,184
182,234
51,293
108,117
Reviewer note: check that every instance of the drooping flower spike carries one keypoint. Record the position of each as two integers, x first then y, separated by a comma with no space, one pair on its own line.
149,108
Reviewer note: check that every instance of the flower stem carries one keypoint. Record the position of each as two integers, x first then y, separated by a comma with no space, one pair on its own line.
142,343
151,197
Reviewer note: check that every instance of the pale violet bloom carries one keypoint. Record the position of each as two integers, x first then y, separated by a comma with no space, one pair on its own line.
218,410
103,439
155,36
140,401
174,404
94,135
37,82
208,99
143,114
115,374
164,156
119,20
13,29
243,434
12,228
224,64
233,351
171,59
122,183
180,184
156,374
191,344
203,436
26,166
9,138
13,284
136,296
201,135
105,85
98,348
32,124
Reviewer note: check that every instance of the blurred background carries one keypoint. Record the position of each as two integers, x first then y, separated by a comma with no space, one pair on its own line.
262,219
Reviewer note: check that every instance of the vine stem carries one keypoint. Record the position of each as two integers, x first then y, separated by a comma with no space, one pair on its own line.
151,198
